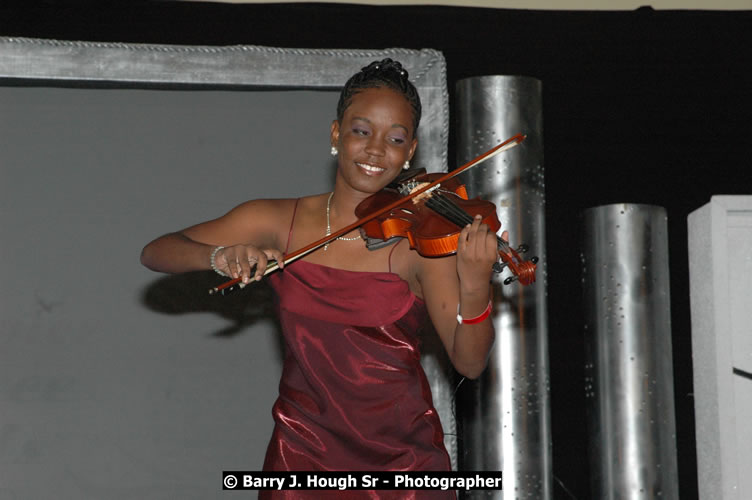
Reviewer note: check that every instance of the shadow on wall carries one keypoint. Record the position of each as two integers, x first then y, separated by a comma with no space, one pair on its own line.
188,293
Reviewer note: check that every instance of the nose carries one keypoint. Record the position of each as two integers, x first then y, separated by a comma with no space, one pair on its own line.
375,146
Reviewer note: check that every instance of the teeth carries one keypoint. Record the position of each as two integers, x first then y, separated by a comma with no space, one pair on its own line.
370,168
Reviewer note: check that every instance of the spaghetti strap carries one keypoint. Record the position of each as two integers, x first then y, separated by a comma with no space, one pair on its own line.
292,221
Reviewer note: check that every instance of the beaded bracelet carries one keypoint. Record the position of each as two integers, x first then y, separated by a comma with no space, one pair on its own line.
477,319
213,265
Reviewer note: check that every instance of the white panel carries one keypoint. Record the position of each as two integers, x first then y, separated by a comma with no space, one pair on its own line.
739,230
720,261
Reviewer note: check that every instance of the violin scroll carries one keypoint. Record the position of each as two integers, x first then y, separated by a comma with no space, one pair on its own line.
522,270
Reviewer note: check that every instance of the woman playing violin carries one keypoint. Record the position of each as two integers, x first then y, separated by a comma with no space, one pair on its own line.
353,395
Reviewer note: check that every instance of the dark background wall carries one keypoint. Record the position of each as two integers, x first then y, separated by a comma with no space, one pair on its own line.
641,107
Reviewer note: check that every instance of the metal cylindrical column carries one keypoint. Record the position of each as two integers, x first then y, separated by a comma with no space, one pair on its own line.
504,414
628,371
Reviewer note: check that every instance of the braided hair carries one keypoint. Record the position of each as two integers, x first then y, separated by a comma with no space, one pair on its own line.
385,73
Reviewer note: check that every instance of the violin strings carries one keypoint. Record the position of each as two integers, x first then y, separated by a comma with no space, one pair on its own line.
445,208
455,214
468,219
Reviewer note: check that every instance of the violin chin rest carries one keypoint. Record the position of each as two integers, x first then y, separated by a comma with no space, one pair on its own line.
375,243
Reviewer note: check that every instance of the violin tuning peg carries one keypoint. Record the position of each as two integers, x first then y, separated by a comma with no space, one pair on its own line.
522,248
498,267
510,280
534,260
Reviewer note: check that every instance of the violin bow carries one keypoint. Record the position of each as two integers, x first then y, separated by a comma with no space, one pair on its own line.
301,252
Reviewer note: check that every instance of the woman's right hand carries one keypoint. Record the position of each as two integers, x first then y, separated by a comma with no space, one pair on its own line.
246,261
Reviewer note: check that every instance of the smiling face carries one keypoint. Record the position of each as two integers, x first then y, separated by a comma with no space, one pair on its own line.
374,139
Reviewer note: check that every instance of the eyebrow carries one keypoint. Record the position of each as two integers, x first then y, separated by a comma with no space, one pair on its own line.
395,125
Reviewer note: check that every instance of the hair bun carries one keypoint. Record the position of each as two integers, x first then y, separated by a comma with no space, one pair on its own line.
387,65
386,73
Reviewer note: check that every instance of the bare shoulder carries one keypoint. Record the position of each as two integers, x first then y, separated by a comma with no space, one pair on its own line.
264,218
268,211
276,206
256,222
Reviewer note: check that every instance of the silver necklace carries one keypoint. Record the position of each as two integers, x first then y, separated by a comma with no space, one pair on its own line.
329,227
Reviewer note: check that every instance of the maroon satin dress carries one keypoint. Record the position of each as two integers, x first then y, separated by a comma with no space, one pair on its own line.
353,395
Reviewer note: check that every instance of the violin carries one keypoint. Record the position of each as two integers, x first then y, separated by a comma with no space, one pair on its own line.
432,222
524,271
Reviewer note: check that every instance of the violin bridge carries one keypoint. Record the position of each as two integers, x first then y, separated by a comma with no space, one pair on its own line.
410,187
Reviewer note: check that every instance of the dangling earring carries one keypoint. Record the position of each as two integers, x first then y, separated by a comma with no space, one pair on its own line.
406,165
334,150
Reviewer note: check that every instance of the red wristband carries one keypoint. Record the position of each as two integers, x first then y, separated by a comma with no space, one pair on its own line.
477,319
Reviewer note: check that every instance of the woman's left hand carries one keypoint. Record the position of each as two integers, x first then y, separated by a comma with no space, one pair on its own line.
477,251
